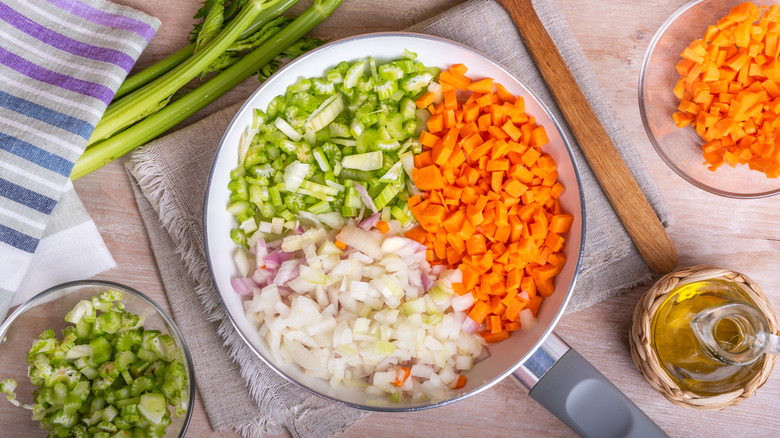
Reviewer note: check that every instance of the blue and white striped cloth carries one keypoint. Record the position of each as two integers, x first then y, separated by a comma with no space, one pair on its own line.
61,62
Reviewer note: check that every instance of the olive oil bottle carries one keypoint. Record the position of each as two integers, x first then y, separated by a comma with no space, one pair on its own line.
687,362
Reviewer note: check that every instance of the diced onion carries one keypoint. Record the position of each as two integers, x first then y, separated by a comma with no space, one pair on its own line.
356,316
463,302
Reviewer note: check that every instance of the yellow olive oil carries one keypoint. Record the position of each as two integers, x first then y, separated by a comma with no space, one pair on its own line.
685,361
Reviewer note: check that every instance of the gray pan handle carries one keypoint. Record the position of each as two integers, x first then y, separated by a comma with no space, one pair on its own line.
573,390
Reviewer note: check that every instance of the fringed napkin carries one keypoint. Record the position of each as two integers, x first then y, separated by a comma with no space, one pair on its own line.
237,388
60,63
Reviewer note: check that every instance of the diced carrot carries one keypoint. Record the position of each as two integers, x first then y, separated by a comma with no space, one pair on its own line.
495,337
459,69
727,80
383,227
435,123
428,178
490,205
479,312
476,244
460,383
428,139
426,99
482,86
341,245
503,94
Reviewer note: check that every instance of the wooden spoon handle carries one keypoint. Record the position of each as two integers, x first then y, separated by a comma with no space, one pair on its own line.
623,192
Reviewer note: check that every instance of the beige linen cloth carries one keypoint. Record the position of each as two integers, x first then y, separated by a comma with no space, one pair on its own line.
238,390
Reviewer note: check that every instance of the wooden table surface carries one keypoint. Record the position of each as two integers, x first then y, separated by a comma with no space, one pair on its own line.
741,235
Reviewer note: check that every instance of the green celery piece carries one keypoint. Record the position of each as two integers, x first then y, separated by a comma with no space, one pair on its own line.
84,307
154,71
126,111
122,393
72,404
126,340
367,161
8,387
168,117
153,407
146,355
101,350
141,385
64,373
108,322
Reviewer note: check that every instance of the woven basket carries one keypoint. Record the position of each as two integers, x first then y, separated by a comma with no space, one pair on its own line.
647,362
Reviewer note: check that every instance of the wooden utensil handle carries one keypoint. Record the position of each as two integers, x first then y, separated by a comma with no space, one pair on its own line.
608,166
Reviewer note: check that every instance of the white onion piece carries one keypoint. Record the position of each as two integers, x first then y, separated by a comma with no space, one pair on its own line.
527,319
462,302
241,259
364,241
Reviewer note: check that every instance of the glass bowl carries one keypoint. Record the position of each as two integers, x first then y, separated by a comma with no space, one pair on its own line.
47,310
680,148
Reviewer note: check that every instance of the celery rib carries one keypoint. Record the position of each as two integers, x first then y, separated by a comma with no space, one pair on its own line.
127,110
177,111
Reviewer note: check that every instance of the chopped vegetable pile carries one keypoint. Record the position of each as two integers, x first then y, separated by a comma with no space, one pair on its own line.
491,205
331,148
729,89
106,376
390,218
362,308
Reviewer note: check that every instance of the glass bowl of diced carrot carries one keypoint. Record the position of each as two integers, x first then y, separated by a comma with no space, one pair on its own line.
709,96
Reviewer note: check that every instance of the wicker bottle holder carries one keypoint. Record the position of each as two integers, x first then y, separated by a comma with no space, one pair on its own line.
647,361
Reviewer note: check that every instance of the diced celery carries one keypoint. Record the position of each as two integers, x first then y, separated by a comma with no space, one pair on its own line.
327,112
366,161
153,407
390,72
355,72
416,82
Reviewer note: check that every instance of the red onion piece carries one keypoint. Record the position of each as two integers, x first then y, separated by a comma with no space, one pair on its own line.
241,286
263,276
484,354
370,222
276,258
438,269
426,282
364,196
469,325
260,251
288,271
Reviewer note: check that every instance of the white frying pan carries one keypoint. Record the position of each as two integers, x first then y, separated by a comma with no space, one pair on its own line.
557,376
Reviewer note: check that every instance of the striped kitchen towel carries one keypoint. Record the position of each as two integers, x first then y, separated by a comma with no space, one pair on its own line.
61,61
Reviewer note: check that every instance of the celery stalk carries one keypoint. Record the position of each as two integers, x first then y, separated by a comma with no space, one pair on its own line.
154,71
129,109
158,69
159,122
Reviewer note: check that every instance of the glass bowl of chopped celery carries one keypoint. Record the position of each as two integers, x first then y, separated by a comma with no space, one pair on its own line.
685,98
94,357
